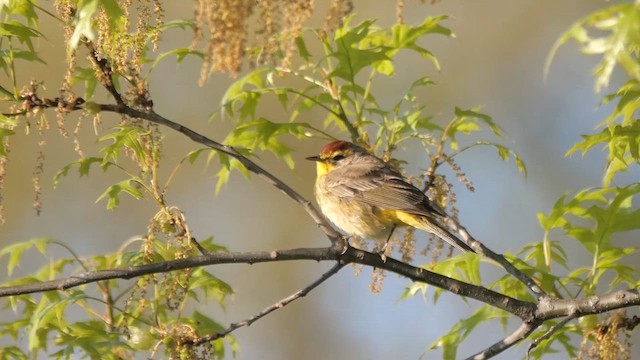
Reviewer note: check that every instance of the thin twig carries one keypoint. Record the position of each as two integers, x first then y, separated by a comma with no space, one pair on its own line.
480,248
107,74
200,248
333,91
524,330
550,332
279,305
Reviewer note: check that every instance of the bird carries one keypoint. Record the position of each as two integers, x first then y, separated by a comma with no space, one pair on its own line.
366,197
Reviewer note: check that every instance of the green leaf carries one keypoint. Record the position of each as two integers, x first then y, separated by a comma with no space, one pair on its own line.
211,287
589,141
302,49
263,134
563,337
126,136
23,33
113,192
180,53
405,36
229,164
8,56
352,51
83,165
24,8
193,156
465,267
88,76
240,92
4,133
458,333
8,95
178,24
610,32
84,17
206,325
49,315
15,251
466,122
504,152
12,353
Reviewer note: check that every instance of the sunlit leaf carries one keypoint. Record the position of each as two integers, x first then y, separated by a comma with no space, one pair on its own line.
15,251
83,165
112,194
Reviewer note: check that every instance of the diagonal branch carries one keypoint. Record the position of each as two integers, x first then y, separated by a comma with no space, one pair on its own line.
524,330
550,333
480,248
106,73
522,309
279,305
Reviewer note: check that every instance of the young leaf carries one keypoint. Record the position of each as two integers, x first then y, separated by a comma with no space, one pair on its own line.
83,165
16,250
113,192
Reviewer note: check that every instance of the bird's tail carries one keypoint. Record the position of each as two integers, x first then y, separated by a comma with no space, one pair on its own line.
438,228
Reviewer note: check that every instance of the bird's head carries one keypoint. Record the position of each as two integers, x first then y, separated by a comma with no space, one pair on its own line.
335,154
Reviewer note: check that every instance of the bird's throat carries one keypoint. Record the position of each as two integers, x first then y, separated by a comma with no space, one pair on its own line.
322,168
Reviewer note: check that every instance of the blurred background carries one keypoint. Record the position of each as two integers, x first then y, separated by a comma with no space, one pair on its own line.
496,60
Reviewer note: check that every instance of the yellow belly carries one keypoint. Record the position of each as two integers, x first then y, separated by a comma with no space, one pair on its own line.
356,218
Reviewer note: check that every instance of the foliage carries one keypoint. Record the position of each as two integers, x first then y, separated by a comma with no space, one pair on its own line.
334,74
596,219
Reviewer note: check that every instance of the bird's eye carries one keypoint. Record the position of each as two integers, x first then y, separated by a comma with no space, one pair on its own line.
337,157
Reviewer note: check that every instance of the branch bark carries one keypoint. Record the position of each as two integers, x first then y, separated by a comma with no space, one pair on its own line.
524,330
532,314
268,310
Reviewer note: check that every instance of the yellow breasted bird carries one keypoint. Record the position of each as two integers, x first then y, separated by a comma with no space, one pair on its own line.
364,196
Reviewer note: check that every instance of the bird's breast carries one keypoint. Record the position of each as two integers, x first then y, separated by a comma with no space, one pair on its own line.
355,217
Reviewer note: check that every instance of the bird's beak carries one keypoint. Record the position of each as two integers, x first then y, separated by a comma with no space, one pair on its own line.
314,158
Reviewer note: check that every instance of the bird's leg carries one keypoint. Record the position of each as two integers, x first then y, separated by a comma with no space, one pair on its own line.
386,243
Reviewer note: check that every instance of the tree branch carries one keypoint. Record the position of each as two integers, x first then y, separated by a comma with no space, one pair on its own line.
480,248
522,309
555,308
279,305
550,332
532,314
524,330
251,257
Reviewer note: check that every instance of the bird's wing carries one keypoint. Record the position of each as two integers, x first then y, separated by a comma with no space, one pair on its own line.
382,187
385,188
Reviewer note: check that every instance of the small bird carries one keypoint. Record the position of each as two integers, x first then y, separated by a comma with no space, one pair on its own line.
364,196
